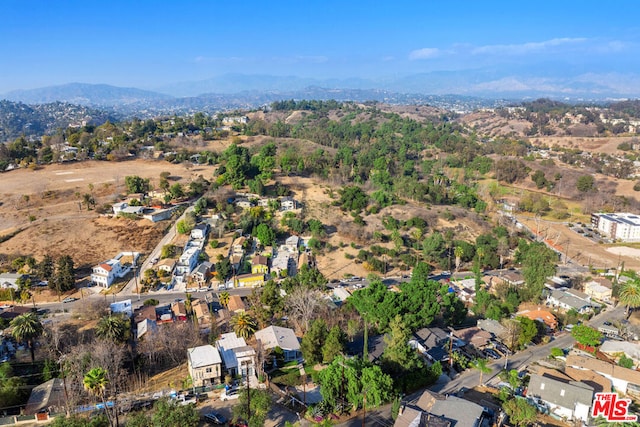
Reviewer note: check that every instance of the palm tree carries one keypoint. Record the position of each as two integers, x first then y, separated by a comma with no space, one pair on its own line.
458,252
480,252
113,327
27,327
630,294
95,382
243,325
481,366
224,298
188,306
503,249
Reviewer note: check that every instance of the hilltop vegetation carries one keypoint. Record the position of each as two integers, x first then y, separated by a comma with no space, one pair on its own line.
18,119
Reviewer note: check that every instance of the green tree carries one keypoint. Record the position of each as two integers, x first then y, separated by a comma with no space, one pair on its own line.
265,234
313,341
171,414
64,279
629,294
626,362
454,312
168,251
76,420
521,413
556,352
114,328
350,379
46,268
585,183
377,385
333,344
586,335
539,179
95,382
243,324
135,184
538,263
88,200
27,328
223,267
458,252
481,366
353,198
224,298
259,407
176,191
528,330
11,387
398,356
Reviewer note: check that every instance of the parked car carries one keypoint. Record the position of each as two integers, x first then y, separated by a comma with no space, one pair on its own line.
491,354
69,299
215,418
229,395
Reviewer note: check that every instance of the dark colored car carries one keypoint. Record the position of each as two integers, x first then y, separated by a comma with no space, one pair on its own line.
215,418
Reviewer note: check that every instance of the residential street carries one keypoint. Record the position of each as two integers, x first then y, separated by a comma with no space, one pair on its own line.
471,377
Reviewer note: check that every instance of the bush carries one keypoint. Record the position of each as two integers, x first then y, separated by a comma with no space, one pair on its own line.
290,378
152,302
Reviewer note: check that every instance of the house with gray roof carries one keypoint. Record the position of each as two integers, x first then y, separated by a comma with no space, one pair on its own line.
284,338
204,365
10,280
459,412
415,417
567,399
238,357
494,327
615,350
567,299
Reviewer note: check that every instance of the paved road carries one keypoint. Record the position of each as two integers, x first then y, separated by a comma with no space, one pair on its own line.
471,377
277,416
131,287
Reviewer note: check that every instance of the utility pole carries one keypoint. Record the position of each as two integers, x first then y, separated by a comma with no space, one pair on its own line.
135,277
246,373
365,349
450,351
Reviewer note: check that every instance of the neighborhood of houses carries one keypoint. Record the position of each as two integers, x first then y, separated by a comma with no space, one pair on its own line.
251,263
563,391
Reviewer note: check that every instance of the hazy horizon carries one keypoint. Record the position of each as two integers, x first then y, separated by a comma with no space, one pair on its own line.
153,46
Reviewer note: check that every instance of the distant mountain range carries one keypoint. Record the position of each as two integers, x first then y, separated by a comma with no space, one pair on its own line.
127,102
249,91
38,111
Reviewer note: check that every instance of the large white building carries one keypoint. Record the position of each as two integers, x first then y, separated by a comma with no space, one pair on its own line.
105,273
621,226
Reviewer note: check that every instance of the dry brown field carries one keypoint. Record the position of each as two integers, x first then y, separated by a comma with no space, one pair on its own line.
45,205
606,145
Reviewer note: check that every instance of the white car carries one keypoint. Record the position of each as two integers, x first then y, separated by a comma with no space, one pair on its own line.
229,395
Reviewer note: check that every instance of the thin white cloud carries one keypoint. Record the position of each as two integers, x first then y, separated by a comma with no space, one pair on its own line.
526,48
424,53
319,59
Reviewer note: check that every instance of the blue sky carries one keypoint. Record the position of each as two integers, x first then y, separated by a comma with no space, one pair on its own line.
152,43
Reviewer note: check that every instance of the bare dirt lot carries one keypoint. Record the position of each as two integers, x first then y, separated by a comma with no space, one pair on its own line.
45,205
607,145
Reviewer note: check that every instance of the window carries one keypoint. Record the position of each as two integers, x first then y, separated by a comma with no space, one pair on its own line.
208,370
